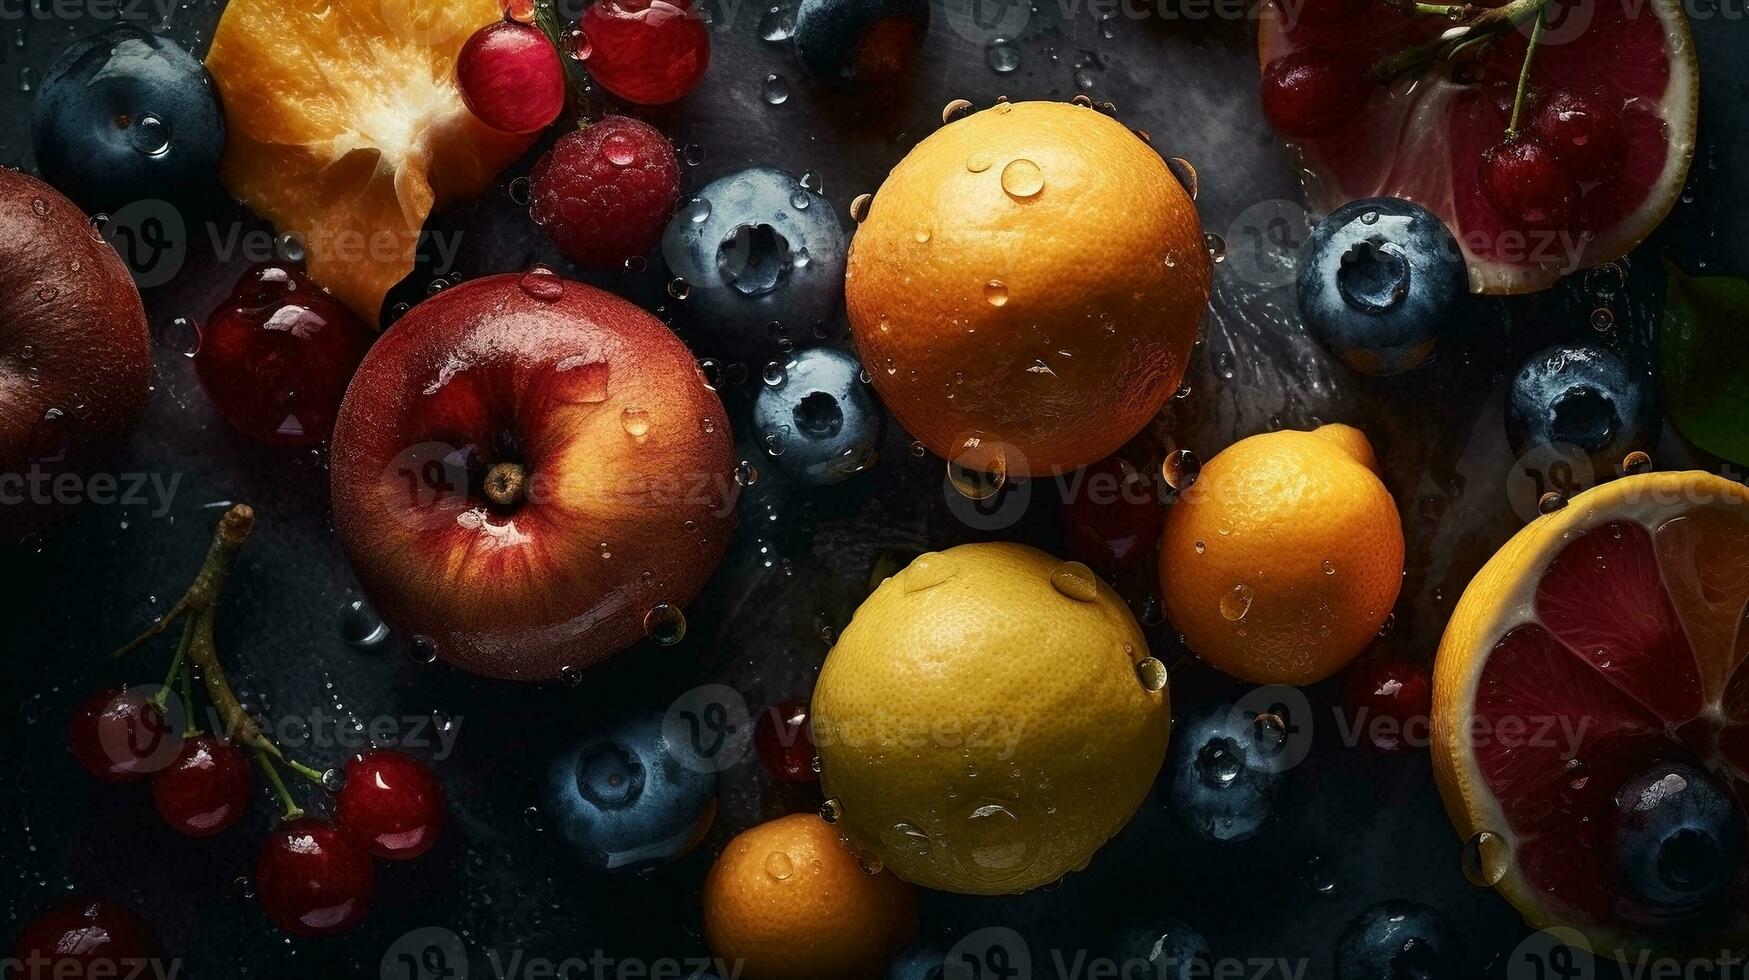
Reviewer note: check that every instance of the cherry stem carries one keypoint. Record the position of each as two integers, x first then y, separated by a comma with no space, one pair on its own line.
1481,23
292,810
312,775
1536,35
505,483
233,530
191,718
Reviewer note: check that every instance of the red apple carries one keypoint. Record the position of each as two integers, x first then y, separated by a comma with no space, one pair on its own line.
530,474
75,356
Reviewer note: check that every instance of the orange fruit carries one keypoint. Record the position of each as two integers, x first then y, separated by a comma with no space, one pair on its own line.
1281,562
345,127
1422,136
1026,287
787,901
1604,637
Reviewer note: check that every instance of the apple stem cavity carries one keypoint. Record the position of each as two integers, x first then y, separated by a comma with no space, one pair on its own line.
505,484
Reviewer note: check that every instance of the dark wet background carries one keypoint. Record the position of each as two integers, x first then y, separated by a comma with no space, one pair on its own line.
1357,829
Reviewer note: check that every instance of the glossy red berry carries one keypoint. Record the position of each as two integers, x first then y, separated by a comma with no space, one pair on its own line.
1586,131
511,77
604,194
391,804
785,742
1322,13
1307,94
120,736
87,938
275,357
1111,516
1528,184
647,51
312,880
206,790
1389,701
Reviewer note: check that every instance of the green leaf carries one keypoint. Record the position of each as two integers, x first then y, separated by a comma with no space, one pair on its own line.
1705,364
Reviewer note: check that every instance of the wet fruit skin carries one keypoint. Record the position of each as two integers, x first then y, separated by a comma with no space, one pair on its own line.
1585,131
1111,516
312,880
1221,779
859,42
603,194
391,804
1381,282
1583,395
1389,701
119,737
276,356
86,937
621,798
127,116
735,244
1306,94
1400,939
819,423
76,331
650,52
511,77
206,790
784,743
624,491
1528,184
1677,842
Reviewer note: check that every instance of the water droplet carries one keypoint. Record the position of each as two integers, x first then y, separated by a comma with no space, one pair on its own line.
979,161
1217,247
1002,55
927,571
542,283
1186,173
360,626
1318,875
978,472
1152,673
1236,602
779,866
636,422
1635,463
26,78
778,23
922,236
1602,319
997,841
665,623
831,811
1485,859
812,180
996,292
1022,178
333,780
422,649
1550,502
1218,762
906,837
1180,469
1329,567
775,89
746,474
1076,581
859,207
577,45
955,109
870,864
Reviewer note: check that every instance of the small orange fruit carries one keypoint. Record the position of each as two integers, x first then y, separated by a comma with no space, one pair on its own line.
1281,562
787,901
345,126
1029,279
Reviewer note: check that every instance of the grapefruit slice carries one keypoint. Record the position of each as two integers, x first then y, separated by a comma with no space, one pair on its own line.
346,128
1421,135
1604,637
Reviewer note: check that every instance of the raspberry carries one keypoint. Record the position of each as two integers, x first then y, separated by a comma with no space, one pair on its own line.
603,194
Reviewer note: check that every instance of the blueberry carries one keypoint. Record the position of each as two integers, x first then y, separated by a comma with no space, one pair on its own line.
124,116
1171,949
1399,941
1222,780
1585,396
1381,281
1678,840
859,42
817,418
761,256
922,960
622,798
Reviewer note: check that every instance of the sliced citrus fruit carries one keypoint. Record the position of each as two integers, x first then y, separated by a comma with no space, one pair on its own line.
1421,136
346,127
1604,638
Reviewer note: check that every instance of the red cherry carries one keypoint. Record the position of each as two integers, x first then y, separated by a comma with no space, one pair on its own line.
1307,94
1586,131
391,804
87,938
1111,517
120,736
312,880
276,356
1321,13
1528,184
646,51
206,790
1389,701
603,194
511,77
785,743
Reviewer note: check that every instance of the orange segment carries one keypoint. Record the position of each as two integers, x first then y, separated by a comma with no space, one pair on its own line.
347,128
1704,556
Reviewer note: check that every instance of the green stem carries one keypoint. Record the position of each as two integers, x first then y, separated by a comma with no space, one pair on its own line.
191,720
178,663
232,531
313,775
1485,22
1536,35
292,810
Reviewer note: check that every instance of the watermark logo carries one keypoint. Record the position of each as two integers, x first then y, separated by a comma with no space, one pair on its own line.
1264,242
708,728
430,953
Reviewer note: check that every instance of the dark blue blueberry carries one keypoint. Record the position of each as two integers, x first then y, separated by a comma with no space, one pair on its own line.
1171,949
1678,840
817,418
1222,780
922,960
124,116
1381,281
1586,396
622,798
762,258
1399,941
859,42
